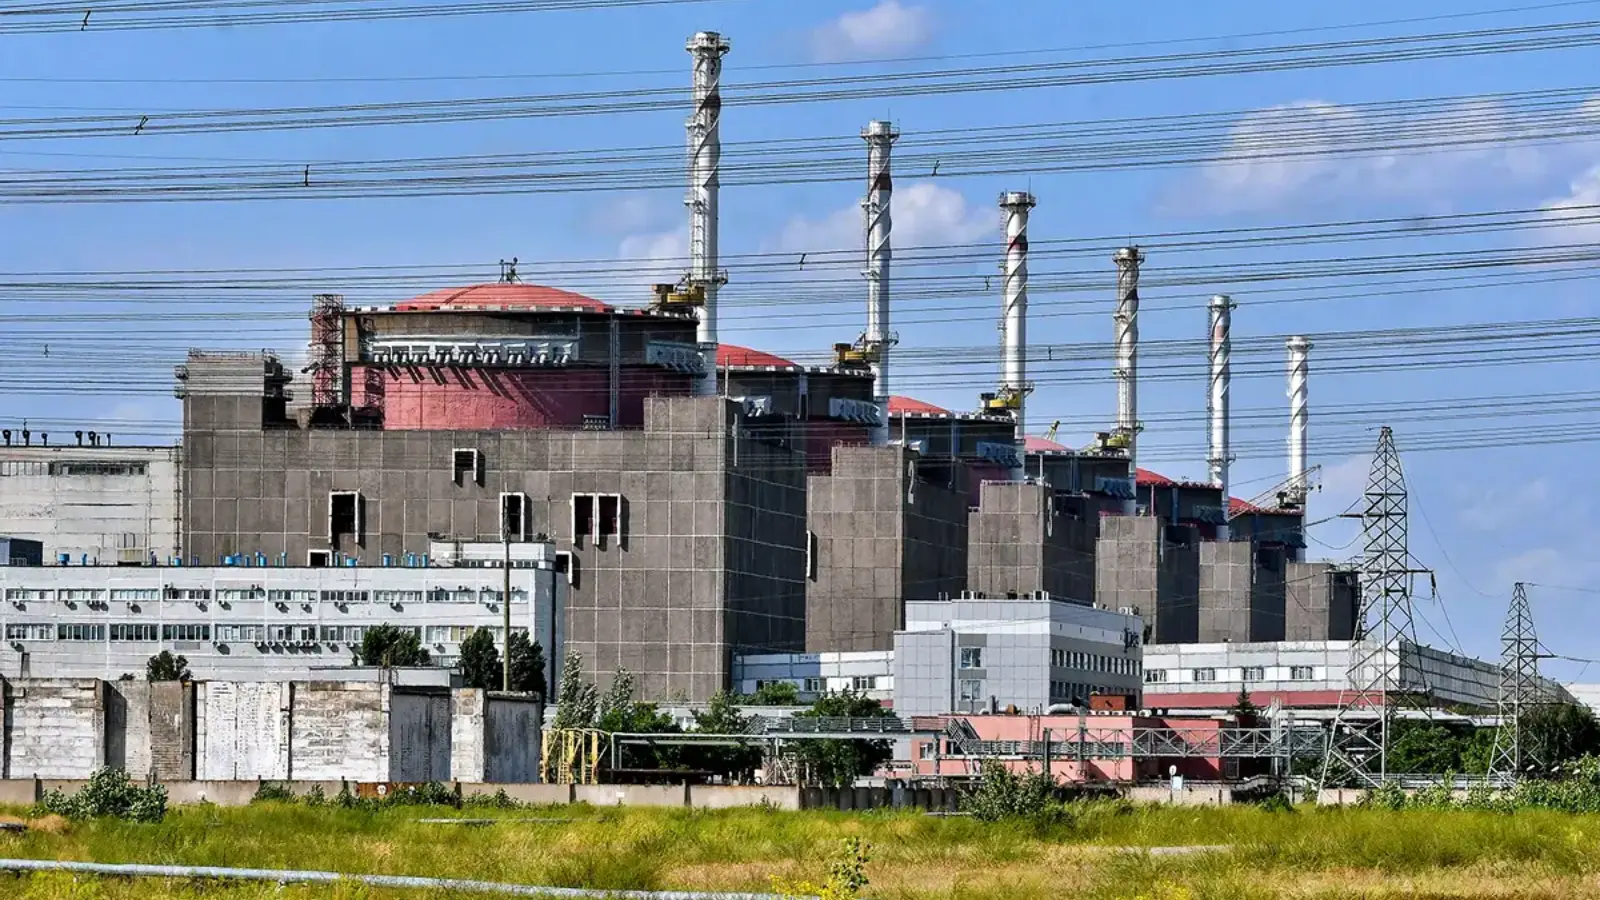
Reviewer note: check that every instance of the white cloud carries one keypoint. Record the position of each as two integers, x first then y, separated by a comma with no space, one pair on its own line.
655,257
1575,218
1314,150
925,215
1537,564
888,28
1494,507
626,214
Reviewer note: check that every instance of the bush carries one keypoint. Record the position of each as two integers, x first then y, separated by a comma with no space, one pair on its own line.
273,792
847,875
1003,794
109,793
498,800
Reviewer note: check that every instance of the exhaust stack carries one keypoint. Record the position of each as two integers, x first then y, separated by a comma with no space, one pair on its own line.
1220,455
1014,387
1299,418
880,138
705,157
1128,260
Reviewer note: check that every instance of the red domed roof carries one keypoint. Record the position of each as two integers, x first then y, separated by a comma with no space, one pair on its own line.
734,355
908,405
1033,444
508,296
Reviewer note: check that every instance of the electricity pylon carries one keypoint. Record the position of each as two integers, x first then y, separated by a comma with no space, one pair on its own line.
1519,686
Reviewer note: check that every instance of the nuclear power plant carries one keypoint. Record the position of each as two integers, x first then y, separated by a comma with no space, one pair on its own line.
690,510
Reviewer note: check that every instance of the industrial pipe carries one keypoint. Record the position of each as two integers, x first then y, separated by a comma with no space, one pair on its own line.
1126,372
294,876
1014,316
1299,416
880,138
705,159
1219,455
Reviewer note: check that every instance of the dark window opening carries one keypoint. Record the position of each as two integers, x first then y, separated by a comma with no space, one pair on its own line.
466,466
567,564
582,516
319,559
610,514
344,516
514,514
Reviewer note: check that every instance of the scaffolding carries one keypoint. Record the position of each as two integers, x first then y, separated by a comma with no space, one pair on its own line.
573,755
326,363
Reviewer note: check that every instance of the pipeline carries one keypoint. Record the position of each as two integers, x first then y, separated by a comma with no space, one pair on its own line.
291,876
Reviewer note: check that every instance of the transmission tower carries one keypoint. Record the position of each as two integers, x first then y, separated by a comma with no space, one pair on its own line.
1382,659
1519,685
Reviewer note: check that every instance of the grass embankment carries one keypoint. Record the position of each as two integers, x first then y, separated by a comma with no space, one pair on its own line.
1330,853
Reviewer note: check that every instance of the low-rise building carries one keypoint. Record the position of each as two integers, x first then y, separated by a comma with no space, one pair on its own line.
91,503
868,672
263,623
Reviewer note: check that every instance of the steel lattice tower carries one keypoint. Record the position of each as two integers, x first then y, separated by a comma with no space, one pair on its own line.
1358,740
1519,684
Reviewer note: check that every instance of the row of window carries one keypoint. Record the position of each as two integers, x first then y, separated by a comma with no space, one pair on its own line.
150,595
1246,674
820,685
70,467
1070,691
245,633
1095,662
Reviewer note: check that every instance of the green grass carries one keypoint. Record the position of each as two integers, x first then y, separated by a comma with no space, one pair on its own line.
1332,853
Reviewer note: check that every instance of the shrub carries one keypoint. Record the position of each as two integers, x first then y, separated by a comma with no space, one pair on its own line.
1003,794
847,875
273,792
109,793
498,800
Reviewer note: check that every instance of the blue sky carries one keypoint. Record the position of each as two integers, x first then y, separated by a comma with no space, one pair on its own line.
1482,517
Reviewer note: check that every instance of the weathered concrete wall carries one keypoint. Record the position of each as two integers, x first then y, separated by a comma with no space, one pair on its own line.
242,730
512,735
1225,583
172,730
711,796
419,736
128,742
340,730
54,728
467,712
632,794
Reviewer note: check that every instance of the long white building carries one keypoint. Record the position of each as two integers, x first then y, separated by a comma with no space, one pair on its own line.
92,503
263,623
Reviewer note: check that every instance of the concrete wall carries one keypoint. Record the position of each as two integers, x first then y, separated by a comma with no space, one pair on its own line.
1023,541
1137,565
1320,602
111,504
242,730
884,535
1226,576
54,728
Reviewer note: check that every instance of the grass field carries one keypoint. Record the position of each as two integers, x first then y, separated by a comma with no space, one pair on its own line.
1332,853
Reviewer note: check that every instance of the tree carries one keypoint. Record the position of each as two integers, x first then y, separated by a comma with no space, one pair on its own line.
527,664
722,716
576,699
1244,710
776,693
481,667
166,667
1555,733
836,763
391,646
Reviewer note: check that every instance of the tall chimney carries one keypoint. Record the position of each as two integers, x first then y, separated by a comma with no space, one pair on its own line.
1126,372
1220,455
880,138
1299,416
1014,316
705,156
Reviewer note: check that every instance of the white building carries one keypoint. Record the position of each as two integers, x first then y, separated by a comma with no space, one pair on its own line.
260,623
92,503
870,672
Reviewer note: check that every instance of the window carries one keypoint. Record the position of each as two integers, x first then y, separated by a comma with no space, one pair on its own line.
21,594
30,632
971,693
515,511
449,634
134,595
351,634
292,633
291,596
77,632
401,597
96,468
247,593
1058,658
811,555
1155,676
1302,673
186,632
23,467
319,559
1253,673
78,594
1205,674
567,564
815,686
864,683
174,593
582,516
345,516
466,465
610,513
133,632
244,633
971,657
345,596
489,595
596,515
